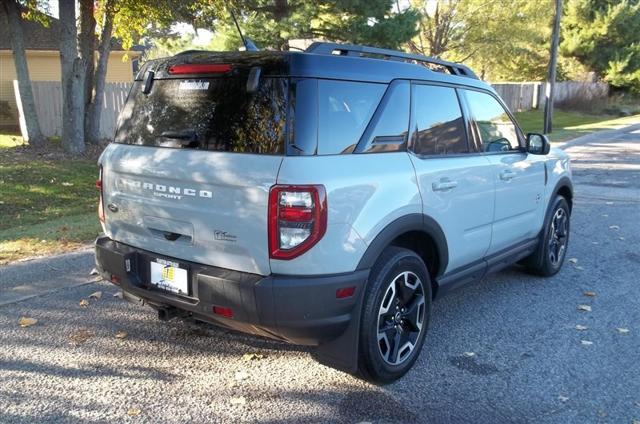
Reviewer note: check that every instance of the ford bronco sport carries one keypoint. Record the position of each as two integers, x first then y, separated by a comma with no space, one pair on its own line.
324,197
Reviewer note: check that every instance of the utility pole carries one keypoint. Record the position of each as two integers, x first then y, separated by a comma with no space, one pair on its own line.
553,62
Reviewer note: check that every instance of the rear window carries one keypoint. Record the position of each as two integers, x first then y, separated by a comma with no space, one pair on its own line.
213,114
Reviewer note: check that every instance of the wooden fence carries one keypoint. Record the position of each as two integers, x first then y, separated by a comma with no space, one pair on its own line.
48,99
523,96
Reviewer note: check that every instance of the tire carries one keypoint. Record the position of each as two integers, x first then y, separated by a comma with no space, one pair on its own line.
390,342
554,241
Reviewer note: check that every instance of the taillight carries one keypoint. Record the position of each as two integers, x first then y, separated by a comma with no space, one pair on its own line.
199,68
100,202
297,219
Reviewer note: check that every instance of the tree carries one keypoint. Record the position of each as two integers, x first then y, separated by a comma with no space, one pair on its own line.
73,78
12,12
272,24
87,45
603,35
98,77
500,39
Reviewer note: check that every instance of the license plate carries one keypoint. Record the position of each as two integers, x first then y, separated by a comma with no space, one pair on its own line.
169,276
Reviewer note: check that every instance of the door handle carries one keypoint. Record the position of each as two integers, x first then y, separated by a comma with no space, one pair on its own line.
507,175
444,184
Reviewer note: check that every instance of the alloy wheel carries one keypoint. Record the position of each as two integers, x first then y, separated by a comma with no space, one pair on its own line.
400,318
558,235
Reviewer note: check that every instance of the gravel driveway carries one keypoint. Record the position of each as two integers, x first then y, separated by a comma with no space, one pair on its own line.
504,350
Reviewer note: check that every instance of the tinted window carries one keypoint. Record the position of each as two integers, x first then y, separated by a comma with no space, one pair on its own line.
389,133
439,126
344,110
215,114
497,131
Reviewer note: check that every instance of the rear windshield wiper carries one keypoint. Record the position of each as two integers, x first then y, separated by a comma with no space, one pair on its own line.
185,138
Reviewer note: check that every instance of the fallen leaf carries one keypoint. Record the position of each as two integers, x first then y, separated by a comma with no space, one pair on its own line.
252,356
469,354
585,308
134,412
93,272
121,334
621,238
241,375
240,400
581,327
563,398
590,294
573,261
586,342
27,322
84,303
80,336
622,330
614,227
118,295
579,268
97,295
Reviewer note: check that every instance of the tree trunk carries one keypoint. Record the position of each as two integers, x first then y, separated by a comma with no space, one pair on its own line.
72,68
555,39
87,40
95,108
34,133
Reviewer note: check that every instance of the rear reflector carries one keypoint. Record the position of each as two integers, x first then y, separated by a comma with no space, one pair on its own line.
345,292
115,279
223,312
200,68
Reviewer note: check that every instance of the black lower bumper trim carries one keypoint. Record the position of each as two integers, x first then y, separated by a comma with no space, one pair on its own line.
302,309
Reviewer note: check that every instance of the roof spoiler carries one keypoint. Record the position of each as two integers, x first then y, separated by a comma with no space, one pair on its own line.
387,54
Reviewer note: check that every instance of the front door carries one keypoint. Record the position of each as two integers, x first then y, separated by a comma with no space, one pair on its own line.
518,176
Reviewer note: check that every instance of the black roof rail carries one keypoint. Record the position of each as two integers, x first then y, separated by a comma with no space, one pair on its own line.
325,48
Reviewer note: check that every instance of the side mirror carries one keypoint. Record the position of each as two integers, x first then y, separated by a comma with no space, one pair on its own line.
538,144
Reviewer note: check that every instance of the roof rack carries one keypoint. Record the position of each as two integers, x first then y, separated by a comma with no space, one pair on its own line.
453,68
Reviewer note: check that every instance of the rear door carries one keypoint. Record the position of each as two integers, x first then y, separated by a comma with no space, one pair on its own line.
190,170
519,177
456,186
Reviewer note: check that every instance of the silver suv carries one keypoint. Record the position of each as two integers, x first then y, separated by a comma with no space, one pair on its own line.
324,197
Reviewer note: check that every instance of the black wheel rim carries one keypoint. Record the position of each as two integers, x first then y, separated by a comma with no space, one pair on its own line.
400,318
558,234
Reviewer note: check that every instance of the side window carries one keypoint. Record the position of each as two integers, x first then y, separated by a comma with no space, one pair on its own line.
388,129
496,129
439,125
344,110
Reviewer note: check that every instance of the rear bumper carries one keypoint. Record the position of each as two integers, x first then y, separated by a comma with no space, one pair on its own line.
302,310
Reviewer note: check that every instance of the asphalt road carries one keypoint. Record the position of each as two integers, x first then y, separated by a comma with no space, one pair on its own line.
504,350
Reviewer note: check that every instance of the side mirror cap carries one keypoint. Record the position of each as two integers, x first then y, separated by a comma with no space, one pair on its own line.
538,144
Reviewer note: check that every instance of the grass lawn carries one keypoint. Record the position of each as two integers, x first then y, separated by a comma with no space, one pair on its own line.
568,125
48,201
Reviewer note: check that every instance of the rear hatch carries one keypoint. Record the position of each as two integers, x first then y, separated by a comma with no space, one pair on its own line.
198,146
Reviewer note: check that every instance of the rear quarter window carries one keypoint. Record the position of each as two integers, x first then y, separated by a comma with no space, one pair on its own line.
344,110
